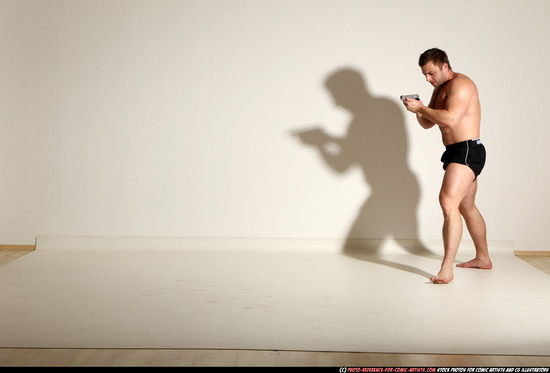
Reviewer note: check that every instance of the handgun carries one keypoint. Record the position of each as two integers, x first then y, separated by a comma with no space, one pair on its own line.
414,97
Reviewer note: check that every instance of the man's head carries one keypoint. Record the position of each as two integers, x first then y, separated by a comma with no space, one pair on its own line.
435,66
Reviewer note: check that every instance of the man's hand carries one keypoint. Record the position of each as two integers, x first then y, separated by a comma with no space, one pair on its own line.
413,105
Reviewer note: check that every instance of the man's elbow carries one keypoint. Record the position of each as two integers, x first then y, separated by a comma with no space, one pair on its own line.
450,122
425,123
452,119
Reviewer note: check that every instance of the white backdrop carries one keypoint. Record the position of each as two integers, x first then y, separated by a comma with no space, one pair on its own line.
174,117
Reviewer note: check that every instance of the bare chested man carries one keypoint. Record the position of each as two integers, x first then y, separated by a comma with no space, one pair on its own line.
455,109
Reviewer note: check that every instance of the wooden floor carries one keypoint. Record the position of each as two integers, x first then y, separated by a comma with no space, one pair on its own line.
12,357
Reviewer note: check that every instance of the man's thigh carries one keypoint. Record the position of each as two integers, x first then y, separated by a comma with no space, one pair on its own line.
457,182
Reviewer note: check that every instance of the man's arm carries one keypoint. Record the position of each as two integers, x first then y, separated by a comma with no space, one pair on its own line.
458,102
424,122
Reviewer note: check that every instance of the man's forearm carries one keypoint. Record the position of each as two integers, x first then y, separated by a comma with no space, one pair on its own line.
442,118
424,122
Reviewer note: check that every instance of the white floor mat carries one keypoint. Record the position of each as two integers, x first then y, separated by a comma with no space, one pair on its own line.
275,301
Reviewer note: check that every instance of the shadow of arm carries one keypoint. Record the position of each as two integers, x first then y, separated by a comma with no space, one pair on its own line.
331,149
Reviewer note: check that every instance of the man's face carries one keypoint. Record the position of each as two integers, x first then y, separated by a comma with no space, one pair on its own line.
434,74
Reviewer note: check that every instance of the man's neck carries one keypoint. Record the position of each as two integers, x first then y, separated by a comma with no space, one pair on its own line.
450,76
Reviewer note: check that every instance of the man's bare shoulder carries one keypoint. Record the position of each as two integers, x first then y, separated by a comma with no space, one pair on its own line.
461,82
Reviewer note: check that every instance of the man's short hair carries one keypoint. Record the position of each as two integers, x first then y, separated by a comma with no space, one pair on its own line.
435,55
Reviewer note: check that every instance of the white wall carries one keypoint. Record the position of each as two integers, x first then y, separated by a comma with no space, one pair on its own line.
173,117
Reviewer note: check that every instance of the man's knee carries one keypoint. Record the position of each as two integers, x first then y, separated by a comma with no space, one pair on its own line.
467,207
448,203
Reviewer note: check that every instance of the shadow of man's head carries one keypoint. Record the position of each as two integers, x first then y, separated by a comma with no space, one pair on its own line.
348,89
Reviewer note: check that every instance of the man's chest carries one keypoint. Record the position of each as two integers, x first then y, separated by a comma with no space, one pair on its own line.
440,97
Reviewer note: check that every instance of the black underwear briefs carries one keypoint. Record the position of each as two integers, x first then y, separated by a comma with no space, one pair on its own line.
470,153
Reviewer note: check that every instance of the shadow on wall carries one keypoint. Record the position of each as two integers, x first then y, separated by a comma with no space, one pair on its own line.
376,142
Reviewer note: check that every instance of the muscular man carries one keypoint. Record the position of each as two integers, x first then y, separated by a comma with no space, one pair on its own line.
455,109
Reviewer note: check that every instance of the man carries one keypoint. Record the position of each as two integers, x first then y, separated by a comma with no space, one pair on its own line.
455,109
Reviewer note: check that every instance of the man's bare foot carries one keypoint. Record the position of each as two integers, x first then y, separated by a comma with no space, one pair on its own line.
443,277
477,263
